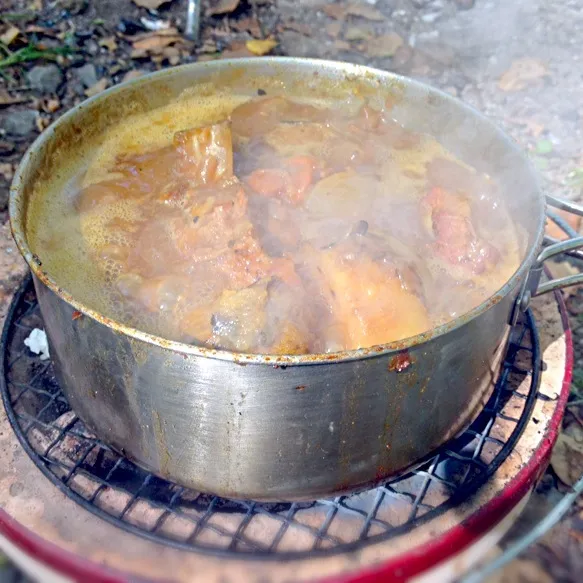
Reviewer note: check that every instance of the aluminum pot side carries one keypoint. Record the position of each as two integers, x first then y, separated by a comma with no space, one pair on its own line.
272,432
251,426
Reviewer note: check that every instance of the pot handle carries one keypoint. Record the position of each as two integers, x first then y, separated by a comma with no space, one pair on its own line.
532,286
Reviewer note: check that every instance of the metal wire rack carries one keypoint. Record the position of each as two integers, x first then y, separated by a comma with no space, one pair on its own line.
113,488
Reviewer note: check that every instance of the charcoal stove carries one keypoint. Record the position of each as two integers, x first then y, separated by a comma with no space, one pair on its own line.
73,509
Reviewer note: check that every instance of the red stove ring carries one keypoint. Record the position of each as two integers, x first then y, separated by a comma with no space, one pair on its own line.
53,539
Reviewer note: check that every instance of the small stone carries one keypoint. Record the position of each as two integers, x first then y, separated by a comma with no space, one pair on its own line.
45,78
19,123
86,75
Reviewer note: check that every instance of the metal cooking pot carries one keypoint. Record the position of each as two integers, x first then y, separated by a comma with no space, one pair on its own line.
281,427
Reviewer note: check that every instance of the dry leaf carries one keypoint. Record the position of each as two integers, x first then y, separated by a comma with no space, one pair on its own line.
10,35
298,27
36,5
42,123
354,33
109,43
150,4
51,105
572,220
366,12
172,31
567,459
209,46
333,29
384,46
97,88
134,74
261,47
154,45
523,72
6,99
334,11
222,7
44,31
341,45
247,25
7,170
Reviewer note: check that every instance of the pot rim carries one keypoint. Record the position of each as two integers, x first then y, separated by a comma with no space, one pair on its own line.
16,207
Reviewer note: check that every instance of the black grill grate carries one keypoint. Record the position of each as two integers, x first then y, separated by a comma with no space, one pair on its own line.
116,490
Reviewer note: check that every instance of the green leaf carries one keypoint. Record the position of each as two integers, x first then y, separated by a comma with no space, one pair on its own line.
544,147
574,178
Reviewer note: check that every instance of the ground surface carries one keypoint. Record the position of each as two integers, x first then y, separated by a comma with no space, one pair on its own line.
518,62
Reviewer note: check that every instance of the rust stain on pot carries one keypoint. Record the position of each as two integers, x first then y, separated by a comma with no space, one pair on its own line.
400,362
160,440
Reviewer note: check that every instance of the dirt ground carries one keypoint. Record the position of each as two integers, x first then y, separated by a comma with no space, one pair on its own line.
519,62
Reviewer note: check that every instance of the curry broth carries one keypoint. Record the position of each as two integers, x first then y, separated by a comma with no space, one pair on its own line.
276,226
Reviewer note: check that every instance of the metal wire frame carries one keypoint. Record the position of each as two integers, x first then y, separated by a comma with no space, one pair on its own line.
68,454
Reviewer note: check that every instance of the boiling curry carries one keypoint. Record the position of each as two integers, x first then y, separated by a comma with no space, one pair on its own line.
285,227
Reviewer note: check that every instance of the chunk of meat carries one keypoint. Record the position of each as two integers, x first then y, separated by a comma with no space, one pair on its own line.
234,322
259,116
291,182
291,340
206,153
449,218
368,303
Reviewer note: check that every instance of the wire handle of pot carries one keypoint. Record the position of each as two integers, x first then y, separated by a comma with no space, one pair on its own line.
570,246
565,205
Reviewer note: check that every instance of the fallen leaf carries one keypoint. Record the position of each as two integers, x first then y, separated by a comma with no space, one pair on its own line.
334,28
42,123
172,31
384,46
341,45
7,99
544,147
153,45
134,74
222,7
209,46
522,73
10,35
366,12
150,4
109,43
248,24
567,459
261,47
41,30
355,33
7,170
36,5
97,88
334,11
298,27
51,105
